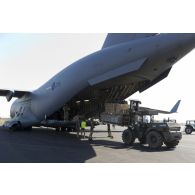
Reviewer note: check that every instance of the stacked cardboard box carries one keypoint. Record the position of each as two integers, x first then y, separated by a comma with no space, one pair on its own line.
114,108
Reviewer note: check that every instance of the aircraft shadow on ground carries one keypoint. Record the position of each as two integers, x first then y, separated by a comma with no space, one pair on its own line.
43,146
49,146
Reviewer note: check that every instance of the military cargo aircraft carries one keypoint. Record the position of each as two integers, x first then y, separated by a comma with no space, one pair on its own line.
127,63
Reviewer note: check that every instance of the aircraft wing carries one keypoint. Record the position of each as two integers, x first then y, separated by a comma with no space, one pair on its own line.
119,81
10,94
149,84
133,66
149,111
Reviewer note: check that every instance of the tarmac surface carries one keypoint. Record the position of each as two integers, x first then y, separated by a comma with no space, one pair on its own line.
43,145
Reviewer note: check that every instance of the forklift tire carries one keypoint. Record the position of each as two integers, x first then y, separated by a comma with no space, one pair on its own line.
142,141
128,137
172,144
154,139
188,130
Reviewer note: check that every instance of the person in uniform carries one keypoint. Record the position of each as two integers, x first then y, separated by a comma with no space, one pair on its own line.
83,128
109,131
91,129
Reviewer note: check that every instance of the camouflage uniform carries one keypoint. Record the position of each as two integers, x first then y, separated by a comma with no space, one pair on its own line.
91,129
109,131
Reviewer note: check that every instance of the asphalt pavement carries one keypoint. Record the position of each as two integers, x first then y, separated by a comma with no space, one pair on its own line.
43,145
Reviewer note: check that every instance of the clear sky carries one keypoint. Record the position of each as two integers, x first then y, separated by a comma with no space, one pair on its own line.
29,60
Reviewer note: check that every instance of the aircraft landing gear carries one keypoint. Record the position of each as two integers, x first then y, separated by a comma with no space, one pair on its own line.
16,127
58,129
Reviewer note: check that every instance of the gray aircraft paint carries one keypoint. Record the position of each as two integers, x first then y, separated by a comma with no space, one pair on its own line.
162,50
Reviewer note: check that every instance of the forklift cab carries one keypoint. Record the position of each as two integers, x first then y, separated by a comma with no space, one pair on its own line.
134,105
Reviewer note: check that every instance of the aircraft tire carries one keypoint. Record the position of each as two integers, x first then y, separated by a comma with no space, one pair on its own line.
63,129
69,129
28,129
16,127
57,129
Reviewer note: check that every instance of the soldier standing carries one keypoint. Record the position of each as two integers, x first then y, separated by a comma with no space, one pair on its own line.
109,131
83,127
76,119
91,129
78,127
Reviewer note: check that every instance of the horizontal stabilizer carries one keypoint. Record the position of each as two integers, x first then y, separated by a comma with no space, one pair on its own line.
133,66
117,38
10,94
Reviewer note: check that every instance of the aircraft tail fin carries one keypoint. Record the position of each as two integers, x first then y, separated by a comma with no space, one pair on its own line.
117,38
175,107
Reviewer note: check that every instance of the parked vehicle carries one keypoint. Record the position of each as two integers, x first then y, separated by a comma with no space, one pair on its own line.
190,126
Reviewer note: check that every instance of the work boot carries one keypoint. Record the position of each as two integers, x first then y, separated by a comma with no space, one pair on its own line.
110,135
90,138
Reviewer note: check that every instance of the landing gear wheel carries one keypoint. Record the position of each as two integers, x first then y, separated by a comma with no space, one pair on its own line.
63,129
128,137
171,144
16,127
69,129
58,129
154,140
188,130
27,129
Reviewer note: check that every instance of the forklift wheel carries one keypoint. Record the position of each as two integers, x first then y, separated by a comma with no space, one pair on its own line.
142,141
154,139
90,139
128,137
